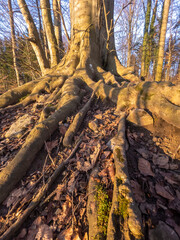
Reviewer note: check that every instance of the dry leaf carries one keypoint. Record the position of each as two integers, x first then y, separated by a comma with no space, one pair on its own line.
137,192
62,129
14,196
66,234
51,145
143,152
72,182
161,160
22,234
162,192
144,167
111,172
44,233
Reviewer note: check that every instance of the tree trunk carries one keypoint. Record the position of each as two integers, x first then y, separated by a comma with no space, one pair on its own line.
34,36
162,41
145,40
129,36
13,39
57,25
49,29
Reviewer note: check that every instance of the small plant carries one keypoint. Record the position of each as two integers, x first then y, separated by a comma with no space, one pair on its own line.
103,209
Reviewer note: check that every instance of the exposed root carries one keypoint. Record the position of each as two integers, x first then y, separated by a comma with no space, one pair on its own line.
92,215
17,168
73,128
124,210
38,196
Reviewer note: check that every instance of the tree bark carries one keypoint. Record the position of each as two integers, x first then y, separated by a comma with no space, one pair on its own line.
145,40
57,25
49,29
13,39
34,36
162,41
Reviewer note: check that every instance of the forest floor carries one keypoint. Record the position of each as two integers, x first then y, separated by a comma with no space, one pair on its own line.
153,164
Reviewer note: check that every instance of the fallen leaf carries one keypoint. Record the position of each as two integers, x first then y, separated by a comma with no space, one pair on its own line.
62,129
72,182
111,172
144,167
51,145
137,192
44,233
161,160
22,234
66,234
160,190
143,152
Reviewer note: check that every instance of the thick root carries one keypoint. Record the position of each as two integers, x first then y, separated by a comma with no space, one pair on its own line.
73,128
123,210
17,168
13,96
92,215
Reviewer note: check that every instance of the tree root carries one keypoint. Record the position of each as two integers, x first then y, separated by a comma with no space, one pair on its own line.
73,128
92,214
17,168
38,196
124,210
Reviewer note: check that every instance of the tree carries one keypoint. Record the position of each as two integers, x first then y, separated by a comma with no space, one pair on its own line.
13,39
162,41
90,65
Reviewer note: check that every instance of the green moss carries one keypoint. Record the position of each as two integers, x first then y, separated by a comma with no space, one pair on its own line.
119,181
103,209
24,97
123,207
119,155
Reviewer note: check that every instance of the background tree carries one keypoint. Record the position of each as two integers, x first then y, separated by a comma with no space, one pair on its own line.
162,40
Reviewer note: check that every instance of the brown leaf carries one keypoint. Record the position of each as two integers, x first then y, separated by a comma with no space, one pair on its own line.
66,234
162,192
59,190
44,233
22,234
137,192
143,152
161,160
62,129
14,196
111,172
145,167
72,182
51,145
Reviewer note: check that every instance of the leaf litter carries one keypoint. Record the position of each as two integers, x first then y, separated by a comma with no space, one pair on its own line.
63,214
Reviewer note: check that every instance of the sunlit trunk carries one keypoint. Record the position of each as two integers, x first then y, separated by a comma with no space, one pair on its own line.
34,36
13,39
49,29
162,40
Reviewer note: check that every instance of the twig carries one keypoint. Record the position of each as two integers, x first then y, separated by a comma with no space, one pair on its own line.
39,194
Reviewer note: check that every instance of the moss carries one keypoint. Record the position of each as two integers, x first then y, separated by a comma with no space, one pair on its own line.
123,207
21,99
119,155
103,209
119,181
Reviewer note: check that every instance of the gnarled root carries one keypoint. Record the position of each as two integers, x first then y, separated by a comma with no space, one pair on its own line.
73,128
124,216
17,168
